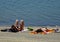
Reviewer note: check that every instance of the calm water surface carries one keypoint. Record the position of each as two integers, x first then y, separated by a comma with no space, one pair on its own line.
33,12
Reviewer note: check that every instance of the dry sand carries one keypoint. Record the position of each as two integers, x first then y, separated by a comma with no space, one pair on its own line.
27,37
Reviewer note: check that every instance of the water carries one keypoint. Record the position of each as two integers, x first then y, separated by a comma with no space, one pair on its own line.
33,12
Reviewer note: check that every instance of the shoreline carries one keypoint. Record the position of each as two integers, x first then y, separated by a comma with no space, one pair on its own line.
32,26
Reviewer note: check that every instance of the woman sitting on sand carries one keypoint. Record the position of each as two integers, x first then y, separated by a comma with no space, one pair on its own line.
16,27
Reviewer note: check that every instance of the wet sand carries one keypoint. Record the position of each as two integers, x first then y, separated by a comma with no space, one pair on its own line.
27,37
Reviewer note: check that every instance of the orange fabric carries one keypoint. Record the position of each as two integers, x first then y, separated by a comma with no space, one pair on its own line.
50,30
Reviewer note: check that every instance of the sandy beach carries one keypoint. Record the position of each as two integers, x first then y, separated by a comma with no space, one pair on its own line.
27,37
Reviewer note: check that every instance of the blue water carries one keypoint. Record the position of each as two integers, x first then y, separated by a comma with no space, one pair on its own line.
33,12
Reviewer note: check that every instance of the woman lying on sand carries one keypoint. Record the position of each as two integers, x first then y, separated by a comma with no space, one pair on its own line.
44,31
40,30
16,27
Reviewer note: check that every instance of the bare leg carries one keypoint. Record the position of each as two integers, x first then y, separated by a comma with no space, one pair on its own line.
21,25
16,23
